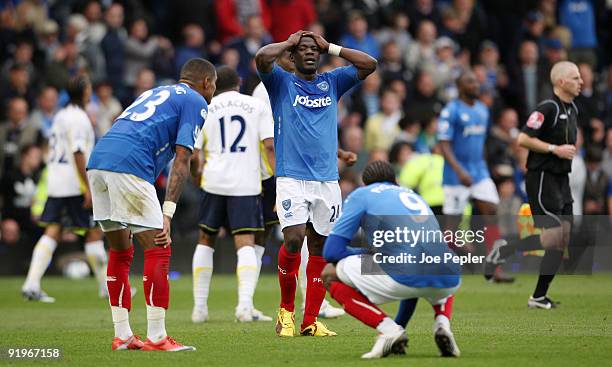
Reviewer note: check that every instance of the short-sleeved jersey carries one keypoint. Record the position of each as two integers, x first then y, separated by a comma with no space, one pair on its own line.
305,121
142,140
387,207
465,127
71,132
231,140
554,122
261,93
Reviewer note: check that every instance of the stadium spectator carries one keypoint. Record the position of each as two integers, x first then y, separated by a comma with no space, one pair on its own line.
366,101
446,68
528,79
501,145
591,105
358,36
108,108
423,101
15,134
139,50
533,29
42,115
289,16
400,153
17,190
96,29
48,39
421,10
382,127
579,17
607,153
18,86
66,62
427,138
391,64
192,46
422,52
113,46
232,16
145,80
397,33
353,141
22,56
253,38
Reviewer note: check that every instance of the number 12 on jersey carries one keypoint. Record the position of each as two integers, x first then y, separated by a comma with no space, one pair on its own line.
234,148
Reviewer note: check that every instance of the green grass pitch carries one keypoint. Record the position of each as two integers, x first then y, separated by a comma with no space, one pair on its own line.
492,325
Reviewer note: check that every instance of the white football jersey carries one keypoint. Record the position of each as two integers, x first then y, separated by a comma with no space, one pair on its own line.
71,132
261,93
231,140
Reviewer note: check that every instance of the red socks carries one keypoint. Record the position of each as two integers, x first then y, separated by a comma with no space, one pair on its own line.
356,304
315,291
446,308
155,279
288,266
118,277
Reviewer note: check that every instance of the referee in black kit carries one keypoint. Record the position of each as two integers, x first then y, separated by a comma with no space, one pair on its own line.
550,135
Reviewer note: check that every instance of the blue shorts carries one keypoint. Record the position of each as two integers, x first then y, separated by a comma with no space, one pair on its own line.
68,212
268,195
236,213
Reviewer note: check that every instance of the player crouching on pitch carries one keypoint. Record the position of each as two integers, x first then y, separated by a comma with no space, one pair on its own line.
383,205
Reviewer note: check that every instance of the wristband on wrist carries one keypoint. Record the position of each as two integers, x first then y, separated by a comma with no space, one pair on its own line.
551,148
169,208
334,49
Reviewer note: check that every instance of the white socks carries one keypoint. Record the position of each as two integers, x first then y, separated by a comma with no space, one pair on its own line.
259,252
156,323
246,270
41,257
202,267
98,261
121,320
387,326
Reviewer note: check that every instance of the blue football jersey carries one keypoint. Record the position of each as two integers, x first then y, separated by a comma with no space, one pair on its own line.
386,207
466,128
143,138
305,121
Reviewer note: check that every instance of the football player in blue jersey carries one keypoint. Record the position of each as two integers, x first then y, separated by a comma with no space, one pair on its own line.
305,108
462,131
162,124
407,259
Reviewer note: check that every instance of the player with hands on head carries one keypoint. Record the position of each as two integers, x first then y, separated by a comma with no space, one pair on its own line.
305,105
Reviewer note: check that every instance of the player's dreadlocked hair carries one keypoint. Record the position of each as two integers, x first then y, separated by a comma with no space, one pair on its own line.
378,171
76,89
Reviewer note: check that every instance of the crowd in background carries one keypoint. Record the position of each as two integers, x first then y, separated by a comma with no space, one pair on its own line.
422,46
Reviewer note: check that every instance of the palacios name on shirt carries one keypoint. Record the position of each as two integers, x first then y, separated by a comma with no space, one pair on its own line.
306,101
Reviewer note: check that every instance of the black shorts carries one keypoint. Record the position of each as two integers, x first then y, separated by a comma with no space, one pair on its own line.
268,194
68,212
550,198
236,213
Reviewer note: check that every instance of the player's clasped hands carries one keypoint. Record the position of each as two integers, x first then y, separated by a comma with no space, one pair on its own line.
566,151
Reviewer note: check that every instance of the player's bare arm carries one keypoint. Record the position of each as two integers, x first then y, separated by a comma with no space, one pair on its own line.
267,55
449,156
364,63
347,157
81,164
269,152
196,166
565,151
179,173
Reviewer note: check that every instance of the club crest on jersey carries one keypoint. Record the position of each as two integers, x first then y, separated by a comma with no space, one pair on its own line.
287,204
203,113
324,86
535,120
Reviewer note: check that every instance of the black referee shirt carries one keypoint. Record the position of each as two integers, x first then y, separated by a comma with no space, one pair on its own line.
553,122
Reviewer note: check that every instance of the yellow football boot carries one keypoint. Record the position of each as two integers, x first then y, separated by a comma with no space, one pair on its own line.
317,329
285,323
